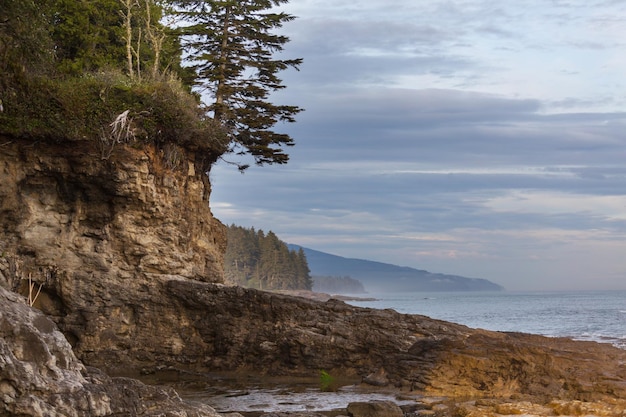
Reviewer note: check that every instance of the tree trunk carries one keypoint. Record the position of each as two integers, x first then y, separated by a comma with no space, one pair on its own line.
219,93
156,40
129,36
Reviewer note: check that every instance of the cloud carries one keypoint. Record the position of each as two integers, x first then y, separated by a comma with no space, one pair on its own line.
479,138
607,208
452,127
341,52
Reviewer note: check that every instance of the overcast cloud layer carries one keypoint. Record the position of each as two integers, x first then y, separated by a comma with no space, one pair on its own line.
479,138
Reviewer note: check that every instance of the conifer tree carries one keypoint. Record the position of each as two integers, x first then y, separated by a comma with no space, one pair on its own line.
231,45
304,279
258,260
87,35
25,44
242,255
95,34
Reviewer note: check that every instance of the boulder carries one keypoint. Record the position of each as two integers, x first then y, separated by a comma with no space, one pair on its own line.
41,377
374,409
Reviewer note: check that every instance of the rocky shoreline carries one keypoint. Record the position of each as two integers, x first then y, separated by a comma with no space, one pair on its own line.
41,376
292,400
129,261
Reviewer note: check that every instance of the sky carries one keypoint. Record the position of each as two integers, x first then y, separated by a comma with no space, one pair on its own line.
471,137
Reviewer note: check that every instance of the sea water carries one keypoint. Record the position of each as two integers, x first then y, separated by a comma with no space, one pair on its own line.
591,315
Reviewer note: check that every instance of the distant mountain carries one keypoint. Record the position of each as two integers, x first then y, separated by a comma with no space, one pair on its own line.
337,285
382,277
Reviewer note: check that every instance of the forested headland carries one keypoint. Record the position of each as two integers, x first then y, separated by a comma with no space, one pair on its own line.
256,259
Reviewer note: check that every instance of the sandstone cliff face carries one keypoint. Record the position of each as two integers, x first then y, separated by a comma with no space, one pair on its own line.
67,209
97,233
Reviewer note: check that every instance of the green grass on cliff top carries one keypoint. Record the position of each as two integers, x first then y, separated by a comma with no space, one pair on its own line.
84,108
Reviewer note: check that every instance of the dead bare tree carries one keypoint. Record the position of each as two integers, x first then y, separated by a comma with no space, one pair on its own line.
156,36
127,15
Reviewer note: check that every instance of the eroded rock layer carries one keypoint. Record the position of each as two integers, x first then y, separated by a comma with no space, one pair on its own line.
70,215
277,334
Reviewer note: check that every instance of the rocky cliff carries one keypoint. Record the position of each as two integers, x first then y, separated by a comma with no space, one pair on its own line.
97,233
71,215
129,261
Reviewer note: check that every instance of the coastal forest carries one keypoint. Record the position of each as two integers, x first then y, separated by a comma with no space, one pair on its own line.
256,259
186,75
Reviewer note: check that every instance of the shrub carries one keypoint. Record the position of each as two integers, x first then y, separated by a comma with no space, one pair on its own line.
327,382
85,107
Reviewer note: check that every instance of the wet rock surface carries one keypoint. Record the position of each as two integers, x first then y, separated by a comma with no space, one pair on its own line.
374,409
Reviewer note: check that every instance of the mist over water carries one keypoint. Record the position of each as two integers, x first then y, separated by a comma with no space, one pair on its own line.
585,315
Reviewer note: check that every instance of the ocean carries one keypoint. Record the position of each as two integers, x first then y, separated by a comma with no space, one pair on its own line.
586,315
